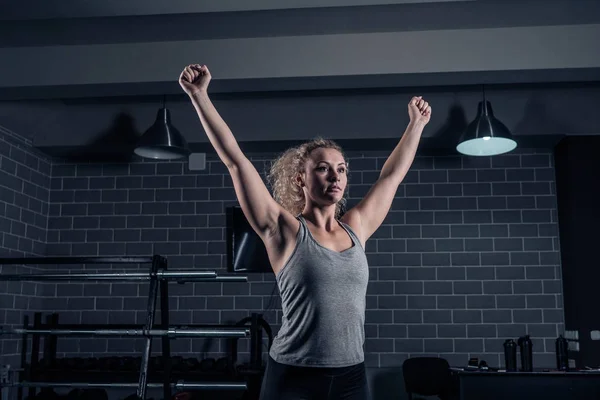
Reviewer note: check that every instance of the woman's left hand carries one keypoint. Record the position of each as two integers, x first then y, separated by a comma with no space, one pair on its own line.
419,110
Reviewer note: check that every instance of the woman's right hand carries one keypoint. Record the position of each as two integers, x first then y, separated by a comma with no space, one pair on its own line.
194,79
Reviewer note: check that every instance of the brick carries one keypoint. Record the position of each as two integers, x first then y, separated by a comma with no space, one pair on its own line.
452,330
438,345
420,245
422,331
497,316
529,286
447,217
480,273
510,301
450,302
539,272
407,316
511,273
447,162
482,330
407,259
467,287
527,316
524,258
435,259
128,182
476,245
537,216
468,345
404,204
438,287
553,316
462,176
506,216
449,245
422,273
506,189
477,162
520,202
477,217
433,203
553,286
491,203
391,302
420,302
541,301
143,195
410,287
542,330
498,287
462,203
493,230
464,231
161,195
459,259
508,244
379,317
477,189
437,316
483,301
535,160
391,245
448,189
419,217
520,175
546,202
451,273
407,231
392,274
409,345
538,244
392,331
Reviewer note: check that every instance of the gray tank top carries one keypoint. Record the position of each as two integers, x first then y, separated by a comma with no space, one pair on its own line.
323,295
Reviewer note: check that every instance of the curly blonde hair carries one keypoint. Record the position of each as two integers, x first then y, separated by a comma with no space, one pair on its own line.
288,165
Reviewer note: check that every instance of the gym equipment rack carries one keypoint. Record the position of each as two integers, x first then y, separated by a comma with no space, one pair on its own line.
159,277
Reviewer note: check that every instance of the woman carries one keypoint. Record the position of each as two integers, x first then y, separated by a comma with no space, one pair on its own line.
318,258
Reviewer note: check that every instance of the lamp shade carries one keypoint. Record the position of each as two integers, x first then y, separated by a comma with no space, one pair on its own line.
162,141
486,136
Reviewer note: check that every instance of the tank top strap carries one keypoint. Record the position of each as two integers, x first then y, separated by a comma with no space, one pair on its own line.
351,232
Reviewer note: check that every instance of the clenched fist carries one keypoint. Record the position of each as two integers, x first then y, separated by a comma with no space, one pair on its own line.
194,79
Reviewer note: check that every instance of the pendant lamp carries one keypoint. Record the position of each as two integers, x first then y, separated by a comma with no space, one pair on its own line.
486,136
162,141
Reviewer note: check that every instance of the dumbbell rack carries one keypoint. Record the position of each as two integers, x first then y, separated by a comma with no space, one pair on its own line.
159,278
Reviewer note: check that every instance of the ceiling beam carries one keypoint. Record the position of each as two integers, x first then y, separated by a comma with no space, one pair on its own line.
49,9
458,55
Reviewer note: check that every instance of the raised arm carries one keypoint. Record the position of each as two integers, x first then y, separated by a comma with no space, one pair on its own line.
370,212
259,207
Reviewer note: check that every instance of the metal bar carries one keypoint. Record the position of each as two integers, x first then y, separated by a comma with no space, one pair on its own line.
152,293
170,332
232,278
166,342
181,385
181,276
23,357
35,351
74,260
211,385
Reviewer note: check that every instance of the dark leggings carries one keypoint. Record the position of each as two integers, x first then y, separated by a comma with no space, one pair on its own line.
286,382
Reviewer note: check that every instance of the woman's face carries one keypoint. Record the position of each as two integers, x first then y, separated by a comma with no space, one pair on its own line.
325,176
